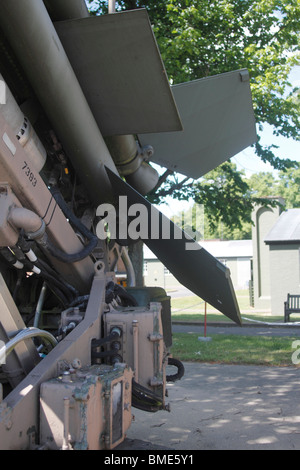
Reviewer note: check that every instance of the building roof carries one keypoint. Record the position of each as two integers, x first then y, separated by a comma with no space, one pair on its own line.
228,248
219,249
286,229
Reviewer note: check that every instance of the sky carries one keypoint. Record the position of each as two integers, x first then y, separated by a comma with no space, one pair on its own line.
289,148
250,163
247,161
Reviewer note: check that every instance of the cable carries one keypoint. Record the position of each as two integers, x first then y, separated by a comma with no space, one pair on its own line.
71,258
11,258
96,343
68,288
15,255
144,399
39,306
22,336
81,300
87,250
55,282
115,290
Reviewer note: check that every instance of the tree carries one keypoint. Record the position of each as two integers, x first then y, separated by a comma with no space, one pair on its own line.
286,185
263,184
289,186
200,38
225,187
220,190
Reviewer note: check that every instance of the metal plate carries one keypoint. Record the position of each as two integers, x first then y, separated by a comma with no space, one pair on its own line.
218,122
119,67
191,264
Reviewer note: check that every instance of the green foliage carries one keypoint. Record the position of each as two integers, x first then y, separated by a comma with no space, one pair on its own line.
289,186
263,184
228,199
201,38
224,188
97,7
205,37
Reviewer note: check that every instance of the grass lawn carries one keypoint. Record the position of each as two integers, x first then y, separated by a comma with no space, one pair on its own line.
234,349
229,349
192,309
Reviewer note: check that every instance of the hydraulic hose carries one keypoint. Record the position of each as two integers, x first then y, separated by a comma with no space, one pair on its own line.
115,290
62,291
87,250
80,300
115,334
44,267
144,399
180,370
34,227
11,258
53,282
39,306
70,258
28,260
22,336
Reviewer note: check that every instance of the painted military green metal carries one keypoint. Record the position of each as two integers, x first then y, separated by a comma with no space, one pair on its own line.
218,122
119,67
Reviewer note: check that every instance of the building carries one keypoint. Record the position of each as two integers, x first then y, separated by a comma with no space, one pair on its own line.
283,242
263,219
269,263
235,254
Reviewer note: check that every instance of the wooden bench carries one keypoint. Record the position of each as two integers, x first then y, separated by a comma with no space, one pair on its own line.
291,305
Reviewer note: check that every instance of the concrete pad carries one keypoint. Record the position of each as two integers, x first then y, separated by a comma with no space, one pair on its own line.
216,407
